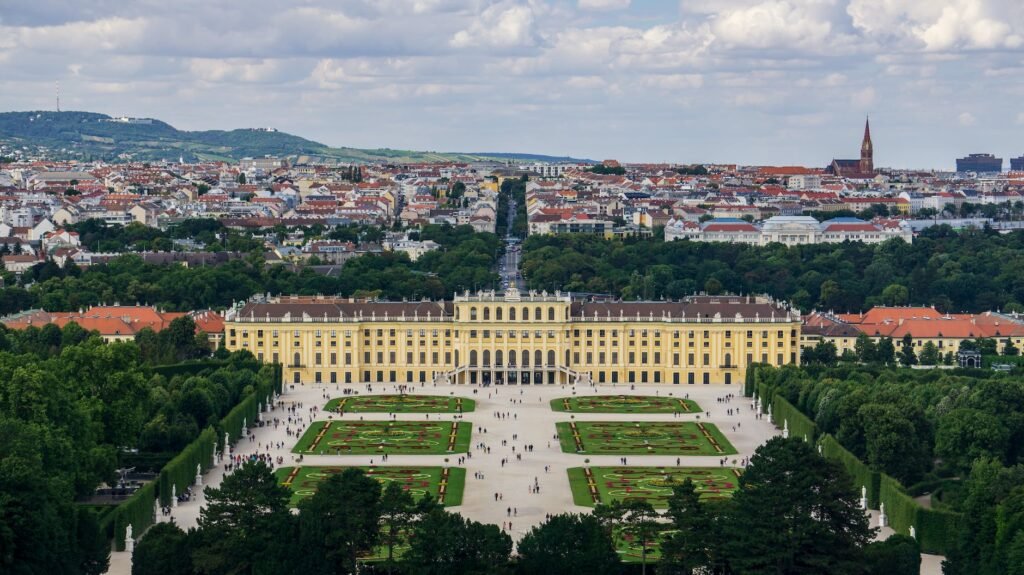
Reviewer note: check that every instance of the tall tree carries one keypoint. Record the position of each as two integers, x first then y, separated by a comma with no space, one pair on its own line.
688,547
640,523
567,544
795,512
445,543
907,355
397,510
163,550
243,524
339,522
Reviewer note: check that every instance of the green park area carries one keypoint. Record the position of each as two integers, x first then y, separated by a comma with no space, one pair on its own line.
445,484
643,438
380,437
593,485
624,404
403,403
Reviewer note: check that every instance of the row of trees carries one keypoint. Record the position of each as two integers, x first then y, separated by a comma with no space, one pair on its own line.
98,236
911,423
465,261
885,352
957,434
71,408
776,523
954,271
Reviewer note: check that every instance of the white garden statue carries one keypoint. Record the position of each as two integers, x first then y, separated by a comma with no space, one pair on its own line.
864,497
129,541
882,519
199,474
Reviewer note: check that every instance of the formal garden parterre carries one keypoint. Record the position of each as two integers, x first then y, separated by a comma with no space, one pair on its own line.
400,403
380,437
624,404
643,438
593,485
443,484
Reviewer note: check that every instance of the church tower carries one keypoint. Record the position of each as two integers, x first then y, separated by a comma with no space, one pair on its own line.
867,162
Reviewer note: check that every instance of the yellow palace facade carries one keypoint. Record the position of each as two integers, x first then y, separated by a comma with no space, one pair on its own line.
516,339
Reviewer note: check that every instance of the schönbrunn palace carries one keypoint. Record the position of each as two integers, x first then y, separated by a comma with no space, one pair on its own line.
514,338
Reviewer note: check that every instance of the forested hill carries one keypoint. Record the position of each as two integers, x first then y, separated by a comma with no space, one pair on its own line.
86,136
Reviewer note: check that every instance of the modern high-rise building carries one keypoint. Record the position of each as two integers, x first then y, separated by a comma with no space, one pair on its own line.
1017,164
979,163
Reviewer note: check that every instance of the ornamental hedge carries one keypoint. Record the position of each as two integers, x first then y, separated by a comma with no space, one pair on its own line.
800,426
862,475
138,510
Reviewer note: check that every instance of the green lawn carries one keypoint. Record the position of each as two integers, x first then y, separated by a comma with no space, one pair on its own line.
624,404
418,481
643,438
651,484
400,404
380,437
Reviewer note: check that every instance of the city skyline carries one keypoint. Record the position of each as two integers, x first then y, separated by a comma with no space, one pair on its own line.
767,82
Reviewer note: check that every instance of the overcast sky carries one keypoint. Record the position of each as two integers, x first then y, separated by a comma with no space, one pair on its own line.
746,81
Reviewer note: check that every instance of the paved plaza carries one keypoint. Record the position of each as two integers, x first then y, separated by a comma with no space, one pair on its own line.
514,446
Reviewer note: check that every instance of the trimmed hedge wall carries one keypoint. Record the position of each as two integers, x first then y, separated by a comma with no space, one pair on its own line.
137,510
180,472
900,508
937,530
862,475
800,425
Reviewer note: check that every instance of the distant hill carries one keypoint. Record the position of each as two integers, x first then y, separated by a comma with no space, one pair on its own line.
86,135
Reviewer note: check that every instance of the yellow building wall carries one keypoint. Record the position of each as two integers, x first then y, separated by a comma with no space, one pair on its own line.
607,351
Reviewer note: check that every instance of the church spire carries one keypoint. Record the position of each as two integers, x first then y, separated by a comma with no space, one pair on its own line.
867,161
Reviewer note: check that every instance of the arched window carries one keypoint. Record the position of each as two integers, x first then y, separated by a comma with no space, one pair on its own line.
456,358
472,358
487,313
497,313
497,358
538,357
551,314
551,357
526,314
567,358
511,314
472,314
526,358
728,359
487,357
298,359
512,359
536,314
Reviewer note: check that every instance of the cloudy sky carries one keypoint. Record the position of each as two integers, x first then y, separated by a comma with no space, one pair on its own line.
747,81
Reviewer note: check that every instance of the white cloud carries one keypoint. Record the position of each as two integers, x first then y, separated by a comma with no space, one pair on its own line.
500,25
864,98
601,5
966,119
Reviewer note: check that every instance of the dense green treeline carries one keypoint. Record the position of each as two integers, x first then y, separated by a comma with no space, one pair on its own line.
71,407
465,262
955,271
957,435
776,523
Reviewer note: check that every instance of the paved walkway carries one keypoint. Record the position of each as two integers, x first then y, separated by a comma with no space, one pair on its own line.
529,420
